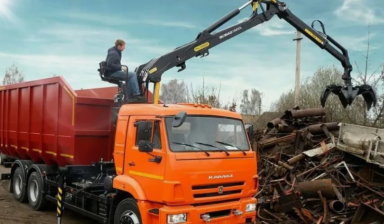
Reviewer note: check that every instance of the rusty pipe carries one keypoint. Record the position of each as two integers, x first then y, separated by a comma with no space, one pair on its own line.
273,123
309,189
296,159
313,112
285,165
316,128
274,140
285,129
336,206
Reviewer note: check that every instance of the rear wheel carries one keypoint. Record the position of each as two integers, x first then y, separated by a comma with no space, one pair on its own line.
35,188
18,187
127,212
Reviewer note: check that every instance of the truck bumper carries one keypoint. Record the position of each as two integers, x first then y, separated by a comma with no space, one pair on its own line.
225,213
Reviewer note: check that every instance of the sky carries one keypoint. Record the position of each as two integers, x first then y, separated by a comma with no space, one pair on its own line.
69,38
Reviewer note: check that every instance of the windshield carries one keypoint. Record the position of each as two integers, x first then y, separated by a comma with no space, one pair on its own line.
208,134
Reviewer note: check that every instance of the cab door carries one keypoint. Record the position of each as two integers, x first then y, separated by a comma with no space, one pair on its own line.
141,165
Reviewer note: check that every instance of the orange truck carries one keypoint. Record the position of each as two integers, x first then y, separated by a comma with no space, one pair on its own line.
157,163
150,163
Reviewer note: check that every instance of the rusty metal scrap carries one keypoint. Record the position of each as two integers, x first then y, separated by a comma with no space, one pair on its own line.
368,214
337,206
317,128
319,150
306,178
274,122
309,189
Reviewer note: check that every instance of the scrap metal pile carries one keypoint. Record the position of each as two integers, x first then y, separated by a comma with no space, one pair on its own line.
305,177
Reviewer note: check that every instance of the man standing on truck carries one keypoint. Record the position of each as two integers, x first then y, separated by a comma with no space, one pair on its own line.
118,71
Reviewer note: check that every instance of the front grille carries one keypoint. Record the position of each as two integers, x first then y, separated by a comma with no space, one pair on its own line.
216,202
217,190
219,214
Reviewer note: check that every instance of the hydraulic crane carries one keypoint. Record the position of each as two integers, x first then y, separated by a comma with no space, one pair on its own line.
205,40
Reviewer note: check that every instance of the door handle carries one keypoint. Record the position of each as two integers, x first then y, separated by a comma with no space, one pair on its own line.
131,164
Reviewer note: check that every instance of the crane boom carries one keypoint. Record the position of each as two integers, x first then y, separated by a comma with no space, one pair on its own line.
154,69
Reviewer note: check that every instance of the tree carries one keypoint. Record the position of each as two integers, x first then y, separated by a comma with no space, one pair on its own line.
12,76
210,95
173,92
375,79
251,105
204,95
230,106
178,92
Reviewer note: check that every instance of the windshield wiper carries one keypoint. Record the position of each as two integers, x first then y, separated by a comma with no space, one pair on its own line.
227,144
180,143
209,145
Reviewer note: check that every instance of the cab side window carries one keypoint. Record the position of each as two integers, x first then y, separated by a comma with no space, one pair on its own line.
155,136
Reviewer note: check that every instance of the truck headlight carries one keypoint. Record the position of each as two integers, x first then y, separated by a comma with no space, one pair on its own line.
177,218
250,207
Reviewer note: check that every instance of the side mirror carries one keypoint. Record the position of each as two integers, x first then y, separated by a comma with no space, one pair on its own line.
145,146
144,130
249,129
179,119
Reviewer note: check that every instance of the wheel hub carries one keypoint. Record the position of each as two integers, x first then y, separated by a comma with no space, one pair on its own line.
34,191
129,217
18,184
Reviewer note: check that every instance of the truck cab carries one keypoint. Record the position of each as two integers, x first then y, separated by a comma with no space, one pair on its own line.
183,163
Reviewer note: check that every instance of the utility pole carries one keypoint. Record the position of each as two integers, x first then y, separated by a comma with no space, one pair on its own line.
297,81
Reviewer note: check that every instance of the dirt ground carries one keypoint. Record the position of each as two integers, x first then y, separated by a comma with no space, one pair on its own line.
13,212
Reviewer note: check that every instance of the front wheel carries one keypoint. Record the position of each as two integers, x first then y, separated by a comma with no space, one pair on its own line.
127,212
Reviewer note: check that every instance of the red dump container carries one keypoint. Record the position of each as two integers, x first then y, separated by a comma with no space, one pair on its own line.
48,122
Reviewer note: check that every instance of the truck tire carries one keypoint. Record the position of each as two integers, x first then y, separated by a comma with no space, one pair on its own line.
19,190
127,212
35,189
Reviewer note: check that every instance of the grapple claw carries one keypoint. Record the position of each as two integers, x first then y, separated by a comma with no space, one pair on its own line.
328,90
348,93
368,94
